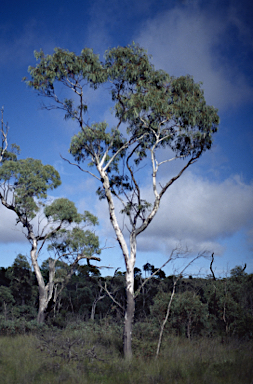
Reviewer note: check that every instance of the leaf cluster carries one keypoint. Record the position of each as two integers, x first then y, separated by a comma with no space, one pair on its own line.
64,65
62,210
12,154
151,103
71,243
28,181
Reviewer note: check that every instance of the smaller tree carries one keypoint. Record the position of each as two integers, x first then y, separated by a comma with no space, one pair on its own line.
23,190
71,246
147,268
189,313
238,271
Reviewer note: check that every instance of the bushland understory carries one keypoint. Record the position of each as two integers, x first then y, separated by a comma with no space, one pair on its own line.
207,338
91,352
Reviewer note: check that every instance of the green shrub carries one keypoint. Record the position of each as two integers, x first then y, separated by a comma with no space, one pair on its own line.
20,327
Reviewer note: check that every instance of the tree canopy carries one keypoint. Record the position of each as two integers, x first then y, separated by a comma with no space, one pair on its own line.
24,181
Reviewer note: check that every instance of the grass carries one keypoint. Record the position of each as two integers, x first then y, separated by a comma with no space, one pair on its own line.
93,354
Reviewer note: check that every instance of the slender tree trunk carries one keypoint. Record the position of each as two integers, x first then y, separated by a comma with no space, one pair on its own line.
5,310
129,262
166,318
129,315
94,304
93,310
189,325
45,291
42,305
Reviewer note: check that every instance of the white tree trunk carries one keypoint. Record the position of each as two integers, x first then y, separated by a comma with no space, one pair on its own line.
129,313
129,262
45,291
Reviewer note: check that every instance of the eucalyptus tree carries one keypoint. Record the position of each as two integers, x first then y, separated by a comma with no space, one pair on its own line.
23,190
159,119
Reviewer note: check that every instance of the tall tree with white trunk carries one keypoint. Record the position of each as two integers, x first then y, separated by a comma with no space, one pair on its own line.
159,119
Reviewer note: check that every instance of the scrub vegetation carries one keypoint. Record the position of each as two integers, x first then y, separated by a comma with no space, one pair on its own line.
207,338
91,353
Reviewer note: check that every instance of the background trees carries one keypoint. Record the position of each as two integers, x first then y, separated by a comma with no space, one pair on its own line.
159,119
193,313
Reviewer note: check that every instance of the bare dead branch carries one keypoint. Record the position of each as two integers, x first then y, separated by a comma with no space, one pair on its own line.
211,267
166,317
202,254
104,287
78,166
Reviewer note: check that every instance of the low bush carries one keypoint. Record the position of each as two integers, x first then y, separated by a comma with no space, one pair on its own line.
20,327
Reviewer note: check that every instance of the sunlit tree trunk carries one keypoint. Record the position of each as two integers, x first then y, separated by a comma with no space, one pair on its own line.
129,262
45,291
94,304
129,316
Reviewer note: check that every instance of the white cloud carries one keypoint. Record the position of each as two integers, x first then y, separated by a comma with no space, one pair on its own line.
184,41
12,233
9,231
250,238
200,212
194,211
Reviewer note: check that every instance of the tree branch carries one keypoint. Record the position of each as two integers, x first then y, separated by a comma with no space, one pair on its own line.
154,273
78,166
211,269
158,198
170,301
110,295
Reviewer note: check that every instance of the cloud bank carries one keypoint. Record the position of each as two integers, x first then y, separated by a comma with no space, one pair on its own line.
196,212
192,40
9,231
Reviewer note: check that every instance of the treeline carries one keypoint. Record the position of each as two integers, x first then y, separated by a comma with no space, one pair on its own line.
200,307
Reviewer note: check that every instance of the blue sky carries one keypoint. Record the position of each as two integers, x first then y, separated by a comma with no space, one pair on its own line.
211,206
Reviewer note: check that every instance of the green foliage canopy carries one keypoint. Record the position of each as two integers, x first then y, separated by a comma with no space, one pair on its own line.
26,181
61,210
75,241
154,105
